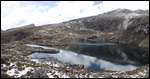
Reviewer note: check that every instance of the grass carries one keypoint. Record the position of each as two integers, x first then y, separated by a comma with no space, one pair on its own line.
4,75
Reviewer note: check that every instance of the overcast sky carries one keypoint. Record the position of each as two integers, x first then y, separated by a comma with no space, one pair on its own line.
19,13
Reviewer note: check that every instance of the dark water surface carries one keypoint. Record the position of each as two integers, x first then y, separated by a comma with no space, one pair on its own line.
99,56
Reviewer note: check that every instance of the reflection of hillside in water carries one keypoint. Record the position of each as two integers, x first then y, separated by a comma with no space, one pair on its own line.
116,53
98,56
89,62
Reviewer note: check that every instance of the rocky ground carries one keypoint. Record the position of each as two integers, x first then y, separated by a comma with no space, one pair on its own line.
17,66
118,26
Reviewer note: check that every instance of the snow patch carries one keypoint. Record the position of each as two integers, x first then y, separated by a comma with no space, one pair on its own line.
56,65
110,33
102,33
141,73
4,65
23,72
44,47
11,72
133,76
35,60
65,76
11,64
128,18
16,73
49,75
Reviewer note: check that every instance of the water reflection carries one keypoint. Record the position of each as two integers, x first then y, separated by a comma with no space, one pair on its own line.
90,62
115,53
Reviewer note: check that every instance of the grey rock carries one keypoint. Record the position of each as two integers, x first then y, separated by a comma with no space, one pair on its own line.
39,72
4,58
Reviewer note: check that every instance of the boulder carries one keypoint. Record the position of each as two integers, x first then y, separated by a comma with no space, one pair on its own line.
93,37
50,51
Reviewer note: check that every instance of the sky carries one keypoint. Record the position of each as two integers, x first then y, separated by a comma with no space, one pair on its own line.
20,13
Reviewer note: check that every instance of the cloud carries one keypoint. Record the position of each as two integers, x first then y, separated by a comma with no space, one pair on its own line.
20,13
14,14
67,10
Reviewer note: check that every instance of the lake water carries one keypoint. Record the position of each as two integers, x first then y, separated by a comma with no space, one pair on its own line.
98,56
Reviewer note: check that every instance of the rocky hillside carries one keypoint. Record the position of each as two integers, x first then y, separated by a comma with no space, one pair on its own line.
118,26
121,26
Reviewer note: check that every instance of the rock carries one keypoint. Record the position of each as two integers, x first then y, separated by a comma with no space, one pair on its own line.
50,51
4,69
75,66
4,58
93,37
39,72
